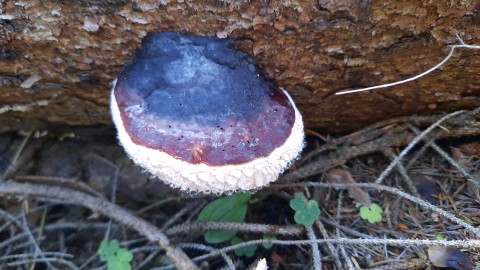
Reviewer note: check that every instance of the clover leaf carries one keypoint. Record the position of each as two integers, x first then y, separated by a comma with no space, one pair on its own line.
226,209
247,251
372,214
268,236
306,211
117,258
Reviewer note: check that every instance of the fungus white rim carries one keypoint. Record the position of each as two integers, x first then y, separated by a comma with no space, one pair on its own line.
213,179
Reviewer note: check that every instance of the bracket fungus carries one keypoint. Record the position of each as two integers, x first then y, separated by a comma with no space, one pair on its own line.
195,112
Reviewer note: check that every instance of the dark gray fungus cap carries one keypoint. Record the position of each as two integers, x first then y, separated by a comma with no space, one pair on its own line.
195,112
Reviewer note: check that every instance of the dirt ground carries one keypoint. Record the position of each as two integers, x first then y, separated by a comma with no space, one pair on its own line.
424,196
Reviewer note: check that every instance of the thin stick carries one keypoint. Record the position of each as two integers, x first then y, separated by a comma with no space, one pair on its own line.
403,172
472,179
452,50
392,190
230,264
45,260
108,209
412,144
337,230
332,248
38,251
469,244
52,227
290,230
11,166
317,259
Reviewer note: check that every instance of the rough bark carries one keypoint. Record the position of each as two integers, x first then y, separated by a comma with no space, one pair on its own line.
58,58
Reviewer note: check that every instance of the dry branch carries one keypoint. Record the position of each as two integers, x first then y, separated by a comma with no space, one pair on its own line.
115,212
244,227
391,133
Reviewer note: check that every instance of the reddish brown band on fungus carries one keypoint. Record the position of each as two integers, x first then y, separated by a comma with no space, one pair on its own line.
200,100
247,139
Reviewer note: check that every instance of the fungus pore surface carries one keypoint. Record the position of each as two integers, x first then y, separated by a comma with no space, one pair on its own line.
195,112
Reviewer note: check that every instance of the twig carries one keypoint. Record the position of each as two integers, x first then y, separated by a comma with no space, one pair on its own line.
106,208
452,50
230,264
53,227
61,181
412,144
147,260
317,259
113,193
38,251
442,153
233,226
227,259
403,172
392,190
346,229
47,261
157,204
178,215
419,153
330,246
337,231
469,244
20,256
12,166
392,133
22,223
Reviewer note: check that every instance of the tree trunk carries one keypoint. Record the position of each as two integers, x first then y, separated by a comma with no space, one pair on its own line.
58,58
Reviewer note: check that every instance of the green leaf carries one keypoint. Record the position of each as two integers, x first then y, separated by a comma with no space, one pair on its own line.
238,251
440,237
114,265
372,214
118,265
250,250
116,258
219,207
108,249
305,211
298,202
227,209
268,236
313,208
102,250
124,255
217,237
247,251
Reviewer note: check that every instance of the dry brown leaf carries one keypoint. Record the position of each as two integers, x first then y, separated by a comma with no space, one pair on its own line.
461,156
427,188
462,159
341,176
470,149
449,257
